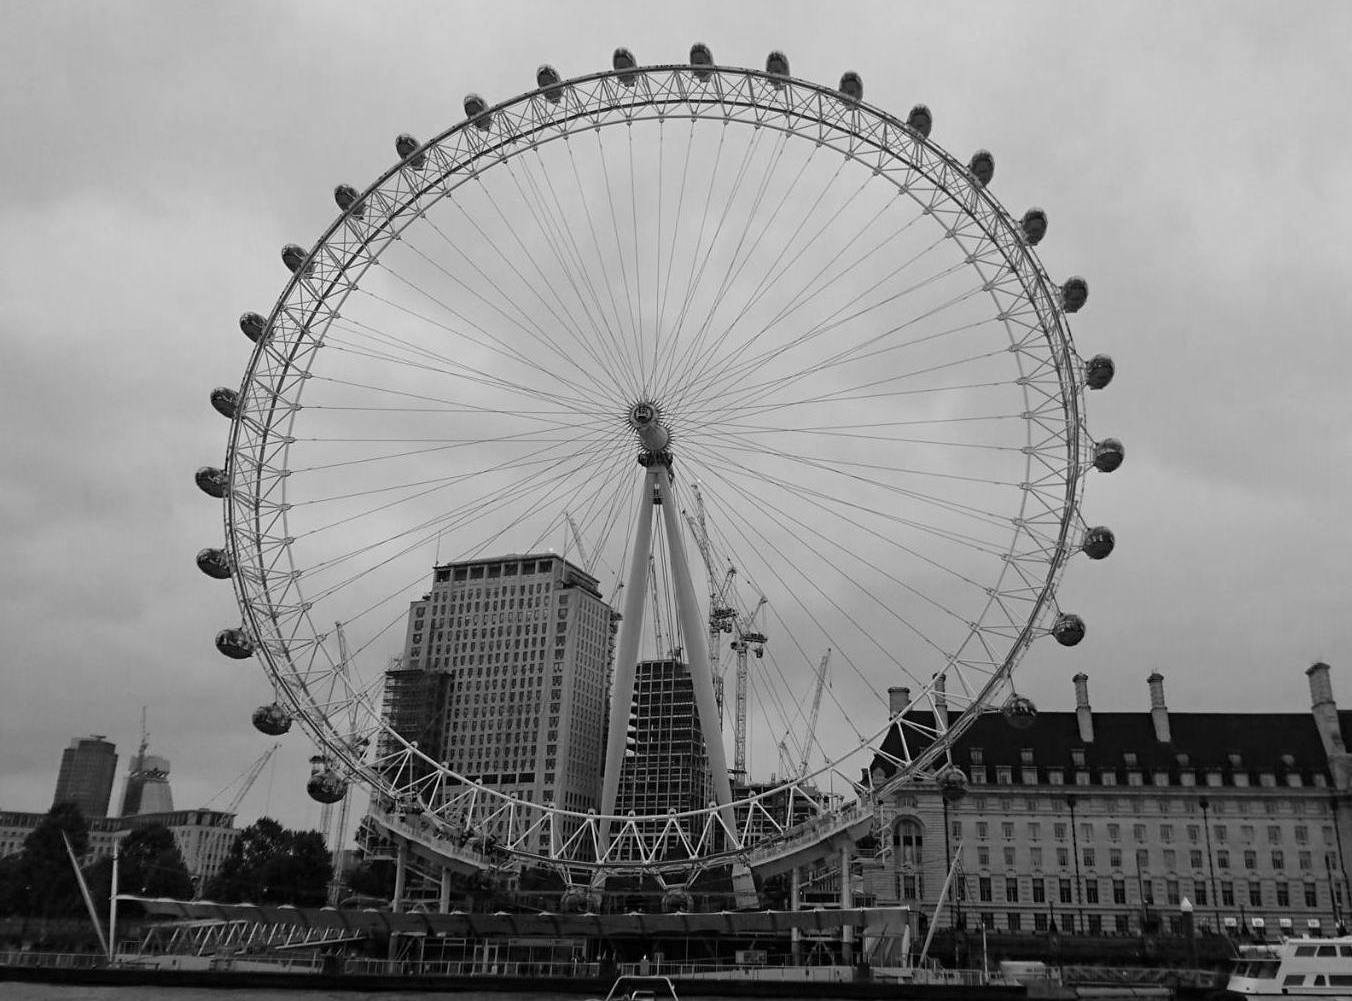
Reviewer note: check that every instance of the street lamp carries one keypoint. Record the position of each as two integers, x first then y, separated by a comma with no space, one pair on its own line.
1205,804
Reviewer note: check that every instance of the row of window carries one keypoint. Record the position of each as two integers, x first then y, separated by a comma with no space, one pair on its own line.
1169,857
1028,775
1174,889
1272,806
1220,833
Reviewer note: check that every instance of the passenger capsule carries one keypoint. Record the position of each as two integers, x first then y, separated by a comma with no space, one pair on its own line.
212,481
1099,371
293,256
1019,712
624,63
225,401
325,785
410,151
348,200
476,110
952,783
254,325
1098,542
1108,455
982,166
677,901
272,719
852,86
1034,226
1068,629
547,79
701,58
579,900
214,563
1074,294
235,644
920,120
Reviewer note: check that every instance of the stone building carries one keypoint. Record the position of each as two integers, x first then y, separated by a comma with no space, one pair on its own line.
1107,823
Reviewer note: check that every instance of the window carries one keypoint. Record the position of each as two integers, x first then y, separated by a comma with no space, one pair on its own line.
1063,857
1194,833
1170,859
983,888
1077,757
1274,834
1121,924
1303,861
1246,833
1250,859
983,857
1148,891
1221,834
1007,830
1311,895
1119,891
1056,777
1278,859
981,829
1199,891
1115,858
1089,858
1222,858
1004,775
1283,893
1015,923
1009,857
1039,921
1108,778
988,920
977,756
1035,857
1091,891
1059,831
1096,924
1138,831
1029,778
1142,858
1227,893
1171,894
1034,831
1255,893
1114,832
956,830
1195,858
1064,888
1166,832
1011,890
1302,834
1039,891
1087,831
1129,759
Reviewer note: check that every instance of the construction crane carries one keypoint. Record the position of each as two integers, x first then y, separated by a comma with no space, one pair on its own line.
577,540
246,780
721,613
748,637
811,734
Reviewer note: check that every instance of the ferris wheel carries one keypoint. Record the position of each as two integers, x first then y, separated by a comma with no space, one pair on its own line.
773,376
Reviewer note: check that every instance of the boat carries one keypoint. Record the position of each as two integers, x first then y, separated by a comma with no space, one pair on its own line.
1294,968
634,988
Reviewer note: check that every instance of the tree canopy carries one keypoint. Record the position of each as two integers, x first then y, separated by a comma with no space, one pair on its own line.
270,864
39,881
149,865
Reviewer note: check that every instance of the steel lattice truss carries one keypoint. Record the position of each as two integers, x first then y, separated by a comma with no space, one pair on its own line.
341,711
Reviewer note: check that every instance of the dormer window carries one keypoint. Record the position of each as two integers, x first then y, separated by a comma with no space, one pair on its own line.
1026,756
1077,756
1129,758
978,758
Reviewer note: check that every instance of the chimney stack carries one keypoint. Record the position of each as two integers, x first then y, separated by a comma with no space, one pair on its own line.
1325,712
898,698
1159,712
1083,715
941,701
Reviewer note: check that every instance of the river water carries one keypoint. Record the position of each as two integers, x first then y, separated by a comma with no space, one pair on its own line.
51,992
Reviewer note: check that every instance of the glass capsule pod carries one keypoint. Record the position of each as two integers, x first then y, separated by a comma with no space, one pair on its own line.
624,62
410,151
1019,712
476,110
701,58
325,784
1074,294
212,481
235,644
1068,629
1099,371
214,563
1034,226
777,65
852,86
253,325
920,120
225,401
293,256
1108,455
579,900
1098,542
272,719
676,901
952,783
982,166
349,201
547,79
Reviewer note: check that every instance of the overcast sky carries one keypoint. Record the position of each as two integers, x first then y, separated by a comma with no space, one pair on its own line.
1193,159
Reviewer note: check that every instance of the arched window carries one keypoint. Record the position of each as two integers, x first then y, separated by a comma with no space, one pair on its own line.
908,841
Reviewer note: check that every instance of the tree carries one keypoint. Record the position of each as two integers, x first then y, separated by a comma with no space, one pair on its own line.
41,882
149,865
270,864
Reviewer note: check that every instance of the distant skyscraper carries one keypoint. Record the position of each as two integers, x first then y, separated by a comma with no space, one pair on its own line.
505,676
147,789
666,768
88,768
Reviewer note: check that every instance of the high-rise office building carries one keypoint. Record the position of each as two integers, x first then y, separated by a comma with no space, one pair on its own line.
147,789
666,766
505,676
88,768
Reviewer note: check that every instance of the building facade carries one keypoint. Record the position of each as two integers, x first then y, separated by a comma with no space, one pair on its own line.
147,787
88,769
1112,823
505,676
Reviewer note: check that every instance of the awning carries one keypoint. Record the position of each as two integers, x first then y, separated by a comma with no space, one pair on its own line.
459,924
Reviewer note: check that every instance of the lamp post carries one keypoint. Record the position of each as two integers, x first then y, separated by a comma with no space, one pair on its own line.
1075,847
1205,804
